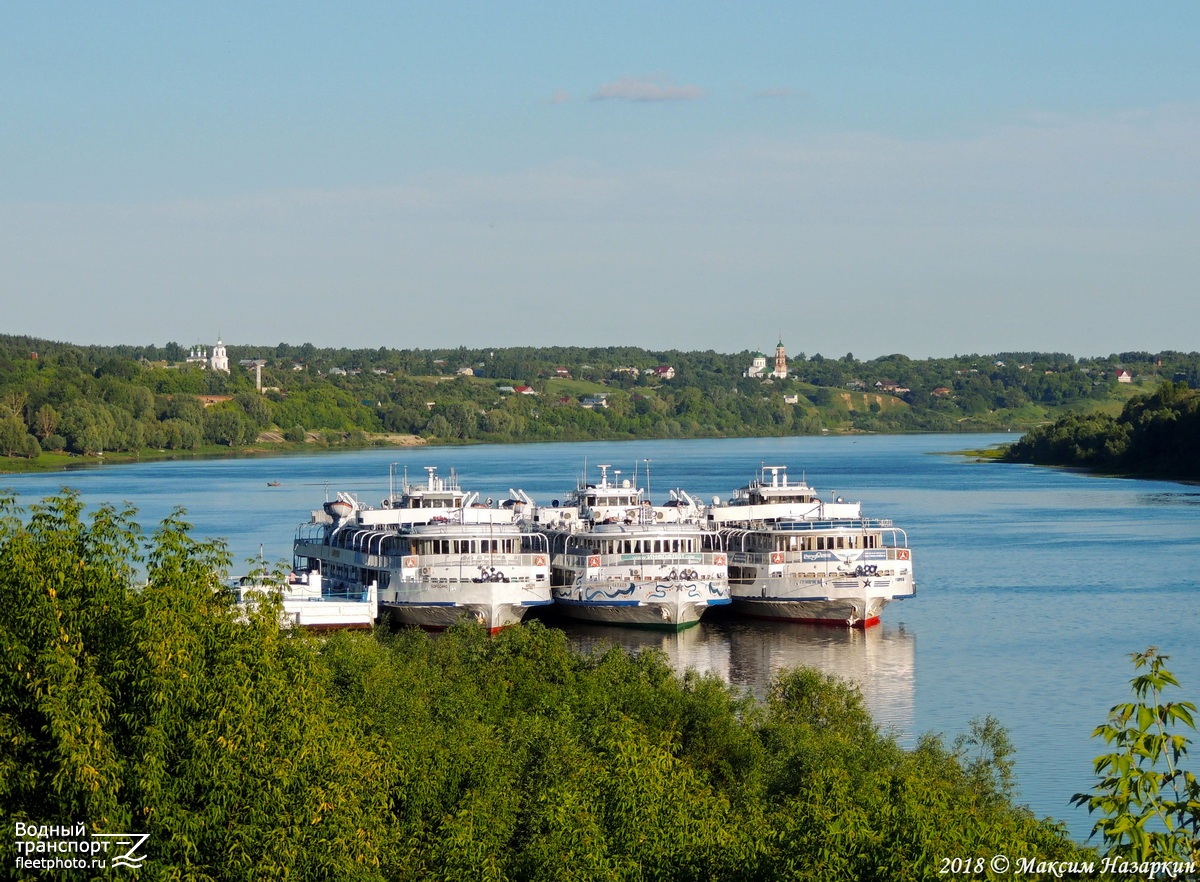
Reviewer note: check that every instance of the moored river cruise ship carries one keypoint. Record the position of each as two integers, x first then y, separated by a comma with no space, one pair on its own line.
795,557
432,554
617,559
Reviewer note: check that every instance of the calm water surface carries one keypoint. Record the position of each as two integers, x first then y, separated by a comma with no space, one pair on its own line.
1033,584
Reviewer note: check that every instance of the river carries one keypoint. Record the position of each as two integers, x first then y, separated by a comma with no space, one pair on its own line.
1033,585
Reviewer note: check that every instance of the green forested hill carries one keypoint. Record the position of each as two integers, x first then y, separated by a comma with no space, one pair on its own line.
59,400
1156,434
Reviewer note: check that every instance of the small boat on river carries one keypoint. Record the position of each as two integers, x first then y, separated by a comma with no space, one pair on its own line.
309,603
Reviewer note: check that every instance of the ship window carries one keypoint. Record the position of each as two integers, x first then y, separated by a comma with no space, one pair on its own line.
820,543
841,542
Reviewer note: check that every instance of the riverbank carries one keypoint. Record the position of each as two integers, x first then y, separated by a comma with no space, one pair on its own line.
267,444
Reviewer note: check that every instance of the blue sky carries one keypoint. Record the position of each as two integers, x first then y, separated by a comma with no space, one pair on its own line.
926,178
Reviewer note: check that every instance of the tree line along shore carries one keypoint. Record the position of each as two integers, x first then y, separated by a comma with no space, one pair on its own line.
1155,435
60,402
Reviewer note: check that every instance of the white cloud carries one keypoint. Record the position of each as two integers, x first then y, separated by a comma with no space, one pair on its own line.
655,88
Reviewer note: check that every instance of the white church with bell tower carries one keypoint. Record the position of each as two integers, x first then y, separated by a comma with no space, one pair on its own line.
218,360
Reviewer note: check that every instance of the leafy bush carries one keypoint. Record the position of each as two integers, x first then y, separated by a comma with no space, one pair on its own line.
1149,802
247,751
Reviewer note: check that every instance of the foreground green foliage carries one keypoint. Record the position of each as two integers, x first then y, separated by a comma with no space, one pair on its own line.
249,752
1156,434
1150,804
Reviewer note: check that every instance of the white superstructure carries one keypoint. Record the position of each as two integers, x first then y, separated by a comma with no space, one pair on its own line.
617,559
796,557
307,602
433,553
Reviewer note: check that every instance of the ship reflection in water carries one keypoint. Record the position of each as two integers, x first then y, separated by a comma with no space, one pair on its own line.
748,653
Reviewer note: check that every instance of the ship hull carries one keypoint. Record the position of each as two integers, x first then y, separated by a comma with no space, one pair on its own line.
493,605
640,605
843,612
437,616
843,602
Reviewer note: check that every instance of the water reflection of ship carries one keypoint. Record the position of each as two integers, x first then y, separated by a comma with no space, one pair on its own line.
882,661
704,649
748,653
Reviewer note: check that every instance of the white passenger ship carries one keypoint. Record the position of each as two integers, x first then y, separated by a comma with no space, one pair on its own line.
433,554
617,559
797,558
